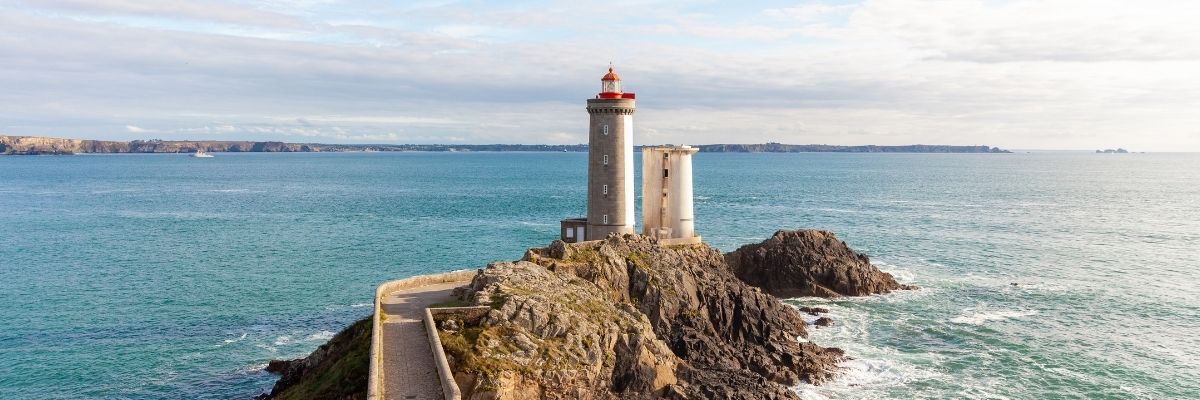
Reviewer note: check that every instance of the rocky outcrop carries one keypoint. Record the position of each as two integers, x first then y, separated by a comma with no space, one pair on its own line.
627,318
336,370
809,263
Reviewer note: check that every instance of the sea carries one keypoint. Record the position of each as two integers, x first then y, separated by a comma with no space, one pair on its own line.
1043,275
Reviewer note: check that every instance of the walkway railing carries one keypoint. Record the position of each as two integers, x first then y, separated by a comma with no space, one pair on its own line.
375,378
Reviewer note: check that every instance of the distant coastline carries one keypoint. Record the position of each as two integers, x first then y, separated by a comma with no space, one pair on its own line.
33,145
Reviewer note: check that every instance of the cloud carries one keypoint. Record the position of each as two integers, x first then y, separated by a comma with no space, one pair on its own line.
201,11
1057,74
809,12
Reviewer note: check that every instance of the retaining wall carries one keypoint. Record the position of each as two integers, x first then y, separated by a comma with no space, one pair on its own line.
375,379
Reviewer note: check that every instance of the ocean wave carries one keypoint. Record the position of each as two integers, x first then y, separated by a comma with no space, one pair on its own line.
360,305
867,378
320,335
902,275
256,367
283,340
871,371
110,191
837,210
240,338
980,318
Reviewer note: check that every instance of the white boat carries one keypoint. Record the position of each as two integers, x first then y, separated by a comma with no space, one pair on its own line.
201,154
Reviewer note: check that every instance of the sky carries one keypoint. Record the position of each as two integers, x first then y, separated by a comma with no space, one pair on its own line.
1044,74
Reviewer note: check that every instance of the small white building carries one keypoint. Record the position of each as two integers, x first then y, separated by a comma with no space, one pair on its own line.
667,194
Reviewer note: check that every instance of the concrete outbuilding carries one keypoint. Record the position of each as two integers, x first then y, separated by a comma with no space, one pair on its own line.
667,194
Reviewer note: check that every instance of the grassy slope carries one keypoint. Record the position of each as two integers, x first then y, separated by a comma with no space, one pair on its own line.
341,375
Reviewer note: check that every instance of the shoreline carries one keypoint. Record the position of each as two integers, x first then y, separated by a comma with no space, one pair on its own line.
34,145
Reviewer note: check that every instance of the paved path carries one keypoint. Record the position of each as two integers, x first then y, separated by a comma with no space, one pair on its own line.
408,369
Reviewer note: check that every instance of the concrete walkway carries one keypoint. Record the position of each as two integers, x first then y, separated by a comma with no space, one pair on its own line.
408,368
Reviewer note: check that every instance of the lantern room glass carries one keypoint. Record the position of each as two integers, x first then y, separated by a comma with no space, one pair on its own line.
607,86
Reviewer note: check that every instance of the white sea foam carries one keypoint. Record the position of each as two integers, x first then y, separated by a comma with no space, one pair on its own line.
360,305
320,335
873,372
868,378
902,275
253,368
979,318
240,338
283,340
108,191
837,210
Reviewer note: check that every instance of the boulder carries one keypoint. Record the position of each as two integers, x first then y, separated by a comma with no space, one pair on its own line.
809,263
814,310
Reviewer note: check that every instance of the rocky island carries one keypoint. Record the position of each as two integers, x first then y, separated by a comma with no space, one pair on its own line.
626,317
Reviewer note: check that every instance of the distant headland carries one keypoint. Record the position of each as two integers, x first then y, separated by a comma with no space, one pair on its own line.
34,145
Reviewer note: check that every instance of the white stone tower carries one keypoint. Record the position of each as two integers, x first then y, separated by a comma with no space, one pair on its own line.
610,160
667,194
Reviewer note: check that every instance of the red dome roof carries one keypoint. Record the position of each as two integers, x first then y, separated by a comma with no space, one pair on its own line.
611,76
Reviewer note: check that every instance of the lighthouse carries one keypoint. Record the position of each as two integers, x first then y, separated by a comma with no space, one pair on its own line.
610,160
666,177
610,165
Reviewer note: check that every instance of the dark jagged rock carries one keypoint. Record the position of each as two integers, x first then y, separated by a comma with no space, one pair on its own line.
627,318
336,370
823,321
814,310
809,263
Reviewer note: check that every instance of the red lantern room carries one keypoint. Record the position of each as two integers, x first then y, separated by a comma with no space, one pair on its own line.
610,87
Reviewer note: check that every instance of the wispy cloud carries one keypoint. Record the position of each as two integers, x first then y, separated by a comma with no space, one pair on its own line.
1025,74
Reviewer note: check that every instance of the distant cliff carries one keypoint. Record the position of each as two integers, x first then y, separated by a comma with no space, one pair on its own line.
827,148
33,145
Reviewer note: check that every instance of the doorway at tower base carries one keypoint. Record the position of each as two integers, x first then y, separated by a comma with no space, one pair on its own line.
573,230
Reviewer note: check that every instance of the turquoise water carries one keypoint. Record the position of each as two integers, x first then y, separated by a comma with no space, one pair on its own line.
163,276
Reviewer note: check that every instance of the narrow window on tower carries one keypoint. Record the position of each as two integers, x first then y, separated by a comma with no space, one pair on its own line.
665,174
606,219
606,159
606,129
605,189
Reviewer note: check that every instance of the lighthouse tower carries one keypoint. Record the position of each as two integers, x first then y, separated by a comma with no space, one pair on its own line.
610,160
